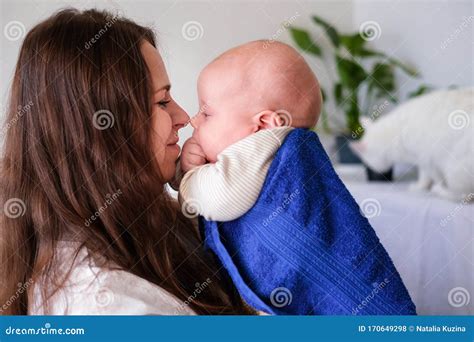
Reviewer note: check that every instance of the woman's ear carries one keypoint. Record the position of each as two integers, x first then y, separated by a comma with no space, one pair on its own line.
267,119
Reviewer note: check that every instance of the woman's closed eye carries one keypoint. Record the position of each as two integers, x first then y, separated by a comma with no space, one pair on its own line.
163,103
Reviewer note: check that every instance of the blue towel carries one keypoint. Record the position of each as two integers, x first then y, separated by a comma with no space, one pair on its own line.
304,248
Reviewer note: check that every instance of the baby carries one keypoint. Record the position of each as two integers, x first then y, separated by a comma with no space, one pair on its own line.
258,87
272,209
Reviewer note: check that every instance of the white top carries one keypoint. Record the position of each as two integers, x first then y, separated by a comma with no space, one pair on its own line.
92,290
227,189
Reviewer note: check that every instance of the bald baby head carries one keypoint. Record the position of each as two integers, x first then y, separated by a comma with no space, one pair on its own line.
269,75
258,85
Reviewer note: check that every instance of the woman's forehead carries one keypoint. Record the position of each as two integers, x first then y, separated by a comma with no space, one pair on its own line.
155,65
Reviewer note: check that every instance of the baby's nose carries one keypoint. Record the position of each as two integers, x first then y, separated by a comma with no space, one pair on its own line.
193,121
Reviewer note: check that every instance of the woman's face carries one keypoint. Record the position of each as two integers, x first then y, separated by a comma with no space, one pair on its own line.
168,117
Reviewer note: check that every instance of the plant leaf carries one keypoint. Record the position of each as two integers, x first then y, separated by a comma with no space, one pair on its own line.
370,53
382,81
304,41
330,30
353,43
410,71
422,89
353,114
325,122
350,73
323,94
338,93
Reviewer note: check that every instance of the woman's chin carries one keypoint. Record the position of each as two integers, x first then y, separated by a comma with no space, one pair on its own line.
174,147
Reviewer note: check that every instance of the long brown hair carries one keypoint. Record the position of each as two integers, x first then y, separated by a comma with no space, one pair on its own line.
60,165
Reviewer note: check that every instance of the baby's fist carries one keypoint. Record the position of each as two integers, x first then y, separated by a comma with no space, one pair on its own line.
192,155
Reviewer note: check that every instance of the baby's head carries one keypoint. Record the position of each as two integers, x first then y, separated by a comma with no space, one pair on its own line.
258,85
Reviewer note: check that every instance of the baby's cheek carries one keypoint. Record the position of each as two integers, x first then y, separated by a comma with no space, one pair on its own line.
212,146
211,151
214,139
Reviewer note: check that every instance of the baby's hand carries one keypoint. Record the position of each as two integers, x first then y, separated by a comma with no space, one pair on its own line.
192,155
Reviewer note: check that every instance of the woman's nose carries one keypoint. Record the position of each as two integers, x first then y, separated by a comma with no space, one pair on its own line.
181,118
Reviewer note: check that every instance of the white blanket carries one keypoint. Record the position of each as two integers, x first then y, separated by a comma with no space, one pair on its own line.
430,241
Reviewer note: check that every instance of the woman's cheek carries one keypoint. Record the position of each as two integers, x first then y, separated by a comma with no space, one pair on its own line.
161,132
163,124
168,166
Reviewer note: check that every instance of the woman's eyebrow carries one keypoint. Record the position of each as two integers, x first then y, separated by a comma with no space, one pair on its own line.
166,87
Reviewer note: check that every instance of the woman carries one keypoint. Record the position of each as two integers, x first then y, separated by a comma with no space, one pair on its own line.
90,143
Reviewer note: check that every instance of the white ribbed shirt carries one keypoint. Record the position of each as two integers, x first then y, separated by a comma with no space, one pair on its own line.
227,189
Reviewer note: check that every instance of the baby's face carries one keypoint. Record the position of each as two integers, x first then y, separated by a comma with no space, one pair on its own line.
226,112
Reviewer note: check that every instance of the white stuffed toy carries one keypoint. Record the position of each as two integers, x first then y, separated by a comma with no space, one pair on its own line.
435,132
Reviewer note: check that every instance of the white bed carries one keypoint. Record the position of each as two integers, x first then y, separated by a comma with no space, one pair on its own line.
430,241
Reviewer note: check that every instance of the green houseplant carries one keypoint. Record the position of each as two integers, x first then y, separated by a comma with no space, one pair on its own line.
363,75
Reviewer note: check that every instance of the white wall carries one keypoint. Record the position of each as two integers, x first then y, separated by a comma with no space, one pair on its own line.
225,24
435,36
413,30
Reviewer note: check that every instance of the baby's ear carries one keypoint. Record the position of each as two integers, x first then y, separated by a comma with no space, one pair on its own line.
268,119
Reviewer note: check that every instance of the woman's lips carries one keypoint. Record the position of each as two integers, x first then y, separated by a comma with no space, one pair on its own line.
174,143
174,146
